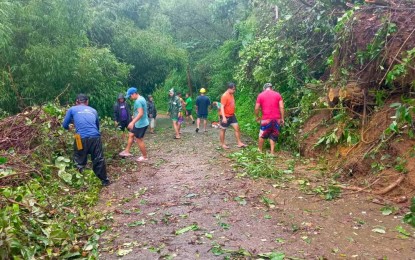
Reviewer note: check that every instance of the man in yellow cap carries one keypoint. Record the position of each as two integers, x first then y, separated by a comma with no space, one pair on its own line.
202,105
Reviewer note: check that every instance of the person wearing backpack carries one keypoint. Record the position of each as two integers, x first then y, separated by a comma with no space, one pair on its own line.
122,116
152,113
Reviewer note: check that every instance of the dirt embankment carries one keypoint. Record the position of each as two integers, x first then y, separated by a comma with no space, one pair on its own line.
377,38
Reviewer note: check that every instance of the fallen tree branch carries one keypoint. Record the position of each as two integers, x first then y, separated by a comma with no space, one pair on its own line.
14,174
63,92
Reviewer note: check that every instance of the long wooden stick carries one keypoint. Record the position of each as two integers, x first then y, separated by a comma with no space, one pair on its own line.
390,66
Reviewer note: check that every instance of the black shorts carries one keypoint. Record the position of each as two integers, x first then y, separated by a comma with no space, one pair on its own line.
139,132
188,112
231,121
122,125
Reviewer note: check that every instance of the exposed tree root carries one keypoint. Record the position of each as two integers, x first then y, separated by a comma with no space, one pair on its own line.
358,189
391,186
380,192
353,188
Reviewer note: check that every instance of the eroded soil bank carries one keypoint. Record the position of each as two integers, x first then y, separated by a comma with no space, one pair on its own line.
188,202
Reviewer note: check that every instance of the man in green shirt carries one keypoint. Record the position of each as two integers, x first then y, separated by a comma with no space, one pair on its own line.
175,111
189,107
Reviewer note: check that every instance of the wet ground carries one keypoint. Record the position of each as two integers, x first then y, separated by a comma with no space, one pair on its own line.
187,202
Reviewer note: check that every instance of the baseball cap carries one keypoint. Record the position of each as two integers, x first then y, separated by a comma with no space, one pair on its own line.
121,95
202,90
171,91
130,91
81,97
267,85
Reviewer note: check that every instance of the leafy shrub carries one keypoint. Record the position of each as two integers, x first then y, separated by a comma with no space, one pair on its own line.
44,200
259,165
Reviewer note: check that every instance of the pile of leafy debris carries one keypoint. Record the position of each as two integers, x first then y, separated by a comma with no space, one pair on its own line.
367,133
44,201
375,47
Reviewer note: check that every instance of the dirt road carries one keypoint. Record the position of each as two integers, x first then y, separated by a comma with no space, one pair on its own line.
188,202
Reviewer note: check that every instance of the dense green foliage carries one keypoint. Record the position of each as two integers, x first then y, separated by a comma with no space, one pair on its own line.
57,48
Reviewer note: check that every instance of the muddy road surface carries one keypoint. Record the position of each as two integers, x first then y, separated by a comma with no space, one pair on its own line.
189,202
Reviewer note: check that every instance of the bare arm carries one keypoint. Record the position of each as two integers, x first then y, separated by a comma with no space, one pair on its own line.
257,107
222,111
281,104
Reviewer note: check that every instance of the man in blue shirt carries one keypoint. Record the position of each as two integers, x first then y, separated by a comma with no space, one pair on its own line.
202,105
86,122
138,126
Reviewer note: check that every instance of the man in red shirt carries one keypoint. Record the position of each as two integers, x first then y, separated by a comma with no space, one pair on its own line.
227,116
271,105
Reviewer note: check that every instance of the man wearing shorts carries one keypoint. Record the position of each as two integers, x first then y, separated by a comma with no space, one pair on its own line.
202,105
271,105
227,116
189,107
138,125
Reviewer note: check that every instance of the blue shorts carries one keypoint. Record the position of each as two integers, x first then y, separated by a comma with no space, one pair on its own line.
202,116
139,132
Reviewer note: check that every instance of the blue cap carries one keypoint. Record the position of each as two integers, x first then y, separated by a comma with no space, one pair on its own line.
130,91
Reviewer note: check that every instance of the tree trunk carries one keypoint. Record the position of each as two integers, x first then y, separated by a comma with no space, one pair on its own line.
352,94
189,81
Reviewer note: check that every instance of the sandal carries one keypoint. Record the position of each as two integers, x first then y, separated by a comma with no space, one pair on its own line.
141,159
125,154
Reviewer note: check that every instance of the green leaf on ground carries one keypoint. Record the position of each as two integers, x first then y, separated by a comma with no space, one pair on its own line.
387,210
280,240
124,252
241,200
273,256
225,226
380,230
3,160
402,231
306,239
137,223
217,249
193,227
